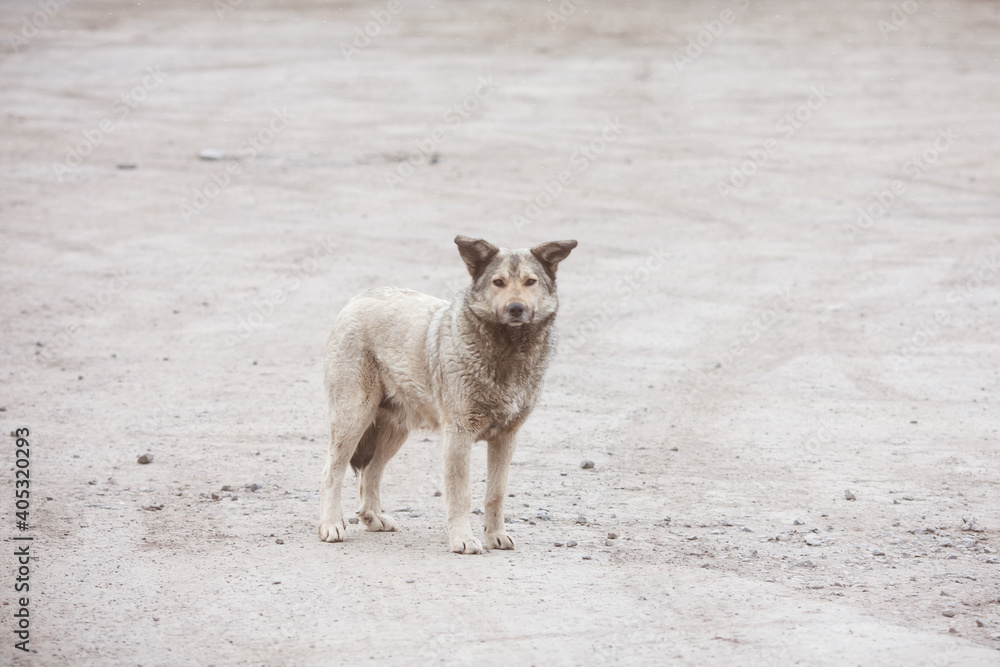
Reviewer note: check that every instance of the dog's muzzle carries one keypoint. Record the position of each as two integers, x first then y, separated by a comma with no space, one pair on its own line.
516,313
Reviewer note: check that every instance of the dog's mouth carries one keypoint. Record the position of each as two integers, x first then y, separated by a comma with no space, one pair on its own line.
516,318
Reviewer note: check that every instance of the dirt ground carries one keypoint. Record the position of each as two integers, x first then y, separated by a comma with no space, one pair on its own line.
786,289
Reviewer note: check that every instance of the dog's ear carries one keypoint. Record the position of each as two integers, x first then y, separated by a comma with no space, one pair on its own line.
477,253
550,254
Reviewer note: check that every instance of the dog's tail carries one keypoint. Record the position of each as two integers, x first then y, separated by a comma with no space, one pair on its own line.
365,452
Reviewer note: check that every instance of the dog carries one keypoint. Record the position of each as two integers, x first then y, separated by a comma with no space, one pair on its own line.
399,360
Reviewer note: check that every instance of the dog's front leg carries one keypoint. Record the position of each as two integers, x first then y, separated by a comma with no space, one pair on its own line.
498,455
457,446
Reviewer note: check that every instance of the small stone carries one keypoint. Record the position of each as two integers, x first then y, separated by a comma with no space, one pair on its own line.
571,543
415,515
279,541
211,154
814,541
235,497
437,494
543,515
126,166
805,563
980,623
353,520
410,581
587,558
948,612
953,631
798,522
216,496
156,618
145,458
92,482
254,487
226,487
608,543
849,495
877,552
477,511
747,529
673,449
587,465
563,474
612,536
558,544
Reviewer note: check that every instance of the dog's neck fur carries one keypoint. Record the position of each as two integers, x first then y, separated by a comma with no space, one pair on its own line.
510,349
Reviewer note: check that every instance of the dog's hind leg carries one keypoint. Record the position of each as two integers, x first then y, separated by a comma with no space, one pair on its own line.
350,418
500,450
389,434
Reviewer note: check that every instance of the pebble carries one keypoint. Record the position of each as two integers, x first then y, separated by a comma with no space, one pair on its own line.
571,543
558,544
216,496
798,522
410,581
612,536
416,515
563,474
877,552
849,495
226,487
581,519
211,154
254,487
437,494
805,563
145,458
543,515
587,558
587,465
353,520
476,510
814,541
279,541
747,529
980,623
948,612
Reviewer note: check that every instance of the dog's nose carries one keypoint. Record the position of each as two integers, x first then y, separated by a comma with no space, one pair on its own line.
515,309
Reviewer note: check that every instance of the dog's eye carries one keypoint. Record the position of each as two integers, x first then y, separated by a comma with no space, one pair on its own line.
498,282
530,281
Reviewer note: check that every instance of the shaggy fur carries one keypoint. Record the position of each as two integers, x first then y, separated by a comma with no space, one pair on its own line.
399,360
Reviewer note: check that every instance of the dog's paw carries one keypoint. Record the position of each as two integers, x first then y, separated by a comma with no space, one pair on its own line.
332,531
499,540
466,544
377,522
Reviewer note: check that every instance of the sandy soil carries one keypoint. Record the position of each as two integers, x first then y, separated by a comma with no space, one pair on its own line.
786,287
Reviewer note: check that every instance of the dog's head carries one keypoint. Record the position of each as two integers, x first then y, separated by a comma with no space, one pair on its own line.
513,287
